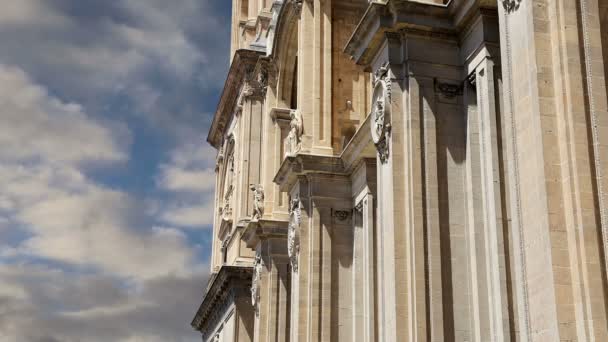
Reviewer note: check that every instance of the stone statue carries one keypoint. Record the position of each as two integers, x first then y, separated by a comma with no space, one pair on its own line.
258,201
293,238
255,282
293,143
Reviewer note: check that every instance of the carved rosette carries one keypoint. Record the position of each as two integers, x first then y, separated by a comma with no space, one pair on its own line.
293,235
511,6
258,201
381,112
255,282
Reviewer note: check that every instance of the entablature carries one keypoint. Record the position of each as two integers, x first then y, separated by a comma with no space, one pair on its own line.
224,286
449,21
359,148
243,64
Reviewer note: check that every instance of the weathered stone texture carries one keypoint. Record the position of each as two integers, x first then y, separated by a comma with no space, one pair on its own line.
423,171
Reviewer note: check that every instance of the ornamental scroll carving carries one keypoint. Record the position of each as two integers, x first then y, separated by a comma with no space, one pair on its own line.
258,201
511,6
226,208
255,282
381,112
293,234
293,142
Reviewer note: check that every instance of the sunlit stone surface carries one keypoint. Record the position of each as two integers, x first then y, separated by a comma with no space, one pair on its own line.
411,171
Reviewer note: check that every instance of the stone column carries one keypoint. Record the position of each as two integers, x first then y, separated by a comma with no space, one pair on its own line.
270,287
251,108
555,106
364,268
320,246
314,75
486,225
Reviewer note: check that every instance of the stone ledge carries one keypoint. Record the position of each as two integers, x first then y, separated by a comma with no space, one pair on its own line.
264,229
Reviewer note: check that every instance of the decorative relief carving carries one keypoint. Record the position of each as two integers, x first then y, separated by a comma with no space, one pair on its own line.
258,201
341,215
293,235
226,208
381,112
511,6
263,80
293,142
252,88
220,158
258,265
449,90
226,241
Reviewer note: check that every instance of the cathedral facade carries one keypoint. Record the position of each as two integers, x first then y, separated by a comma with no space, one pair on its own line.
411,170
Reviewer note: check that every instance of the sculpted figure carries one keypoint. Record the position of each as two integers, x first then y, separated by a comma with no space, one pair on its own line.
293,143
255,282
258,201
293,239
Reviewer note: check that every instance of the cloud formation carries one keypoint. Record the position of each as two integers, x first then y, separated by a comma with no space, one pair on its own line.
190,176
93,308
86,252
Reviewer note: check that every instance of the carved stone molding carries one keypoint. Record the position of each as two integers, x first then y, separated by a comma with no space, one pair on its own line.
255,282
293,235
511,6
226,209
293,142
381,112
258,201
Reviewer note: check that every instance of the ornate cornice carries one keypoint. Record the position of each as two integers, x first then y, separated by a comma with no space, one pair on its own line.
228,283
242,66
255,231
301,164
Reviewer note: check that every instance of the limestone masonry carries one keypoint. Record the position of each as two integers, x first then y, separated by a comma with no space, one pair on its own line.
411,171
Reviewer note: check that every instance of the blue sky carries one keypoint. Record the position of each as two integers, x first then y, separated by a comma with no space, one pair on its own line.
106,180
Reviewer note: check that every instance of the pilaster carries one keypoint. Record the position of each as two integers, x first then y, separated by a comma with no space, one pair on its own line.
271,285
554,98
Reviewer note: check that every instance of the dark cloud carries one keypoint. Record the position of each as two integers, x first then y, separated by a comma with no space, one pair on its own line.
51,305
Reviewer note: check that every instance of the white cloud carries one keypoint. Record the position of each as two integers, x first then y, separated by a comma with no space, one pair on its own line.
191,215
190,169
189,177
25,11
38,126
69,217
